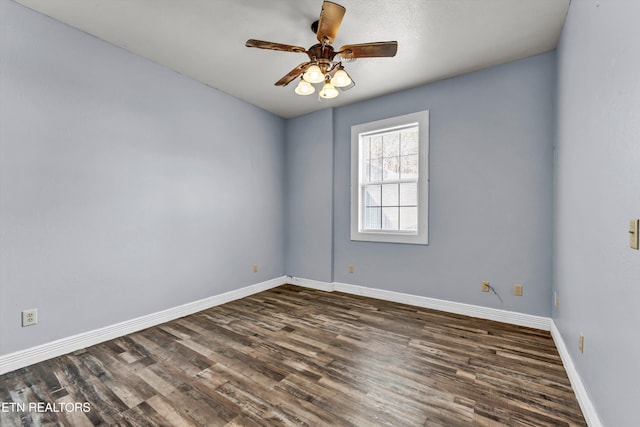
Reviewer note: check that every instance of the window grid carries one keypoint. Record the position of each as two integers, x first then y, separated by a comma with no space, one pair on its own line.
390,161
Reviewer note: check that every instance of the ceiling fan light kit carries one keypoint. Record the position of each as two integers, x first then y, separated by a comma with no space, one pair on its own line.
341,78
304,87
313,74
323,66
328,91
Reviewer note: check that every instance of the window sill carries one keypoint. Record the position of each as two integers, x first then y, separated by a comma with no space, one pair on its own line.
390,237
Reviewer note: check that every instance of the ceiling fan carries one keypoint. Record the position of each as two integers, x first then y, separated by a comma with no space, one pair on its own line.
325,64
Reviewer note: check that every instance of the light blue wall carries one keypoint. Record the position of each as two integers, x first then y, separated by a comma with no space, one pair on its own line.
491,135
597,192
309,194
125,188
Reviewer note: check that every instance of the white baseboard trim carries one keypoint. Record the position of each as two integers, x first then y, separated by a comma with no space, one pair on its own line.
588,410
505,316
22,358
308,283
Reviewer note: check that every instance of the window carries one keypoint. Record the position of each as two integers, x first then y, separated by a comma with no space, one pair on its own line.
389,180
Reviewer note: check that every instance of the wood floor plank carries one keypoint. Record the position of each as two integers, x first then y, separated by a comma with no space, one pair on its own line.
293,356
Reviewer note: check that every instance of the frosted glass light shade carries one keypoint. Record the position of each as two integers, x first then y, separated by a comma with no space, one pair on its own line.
304,88
328,91
313,74
341,79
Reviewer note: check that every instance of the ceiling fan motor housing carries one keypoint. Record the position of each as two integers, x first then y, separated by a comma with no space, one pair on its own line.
319,51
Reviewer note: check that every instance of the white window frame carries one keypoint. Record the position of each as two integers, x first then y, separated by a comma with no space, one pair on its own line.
421,235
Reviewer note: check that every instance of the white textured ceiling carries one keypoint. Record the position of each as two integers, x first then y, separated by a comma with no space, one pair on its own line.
204,39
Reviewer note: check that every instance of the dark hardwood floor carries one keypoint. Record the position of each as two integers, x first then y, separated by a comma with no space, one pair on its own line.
294,356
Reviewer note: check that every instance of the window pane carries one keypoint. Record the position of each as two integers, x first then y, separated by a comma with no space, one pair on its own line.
409,219
391,169
364,147
391,144
375,147
409,167
372,217
390,218
366,172
375,170
372,195
409,142
409,194
390,195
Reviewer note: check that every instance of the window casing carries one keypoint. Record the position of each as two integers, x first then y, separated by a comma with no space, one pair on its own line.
389,180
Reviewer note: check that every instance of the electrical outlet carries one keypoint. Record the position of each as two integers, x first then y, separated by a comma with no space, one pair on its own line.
350,268
29,317
485,286
517,290
581,343
556,300
255,268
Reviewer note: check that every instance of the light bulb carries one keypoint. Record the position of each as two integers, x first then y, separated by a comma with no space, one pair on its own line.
304,88
328,91
313,74
341,78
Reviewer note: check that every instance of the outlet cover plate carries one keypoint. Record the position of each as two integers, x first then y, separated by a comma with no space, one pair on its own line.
29,317
517,290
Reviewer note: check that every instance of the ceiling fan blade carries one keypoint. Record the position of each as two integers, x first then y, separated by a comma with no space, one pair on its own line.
293,74
261,44
330,20
369,50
